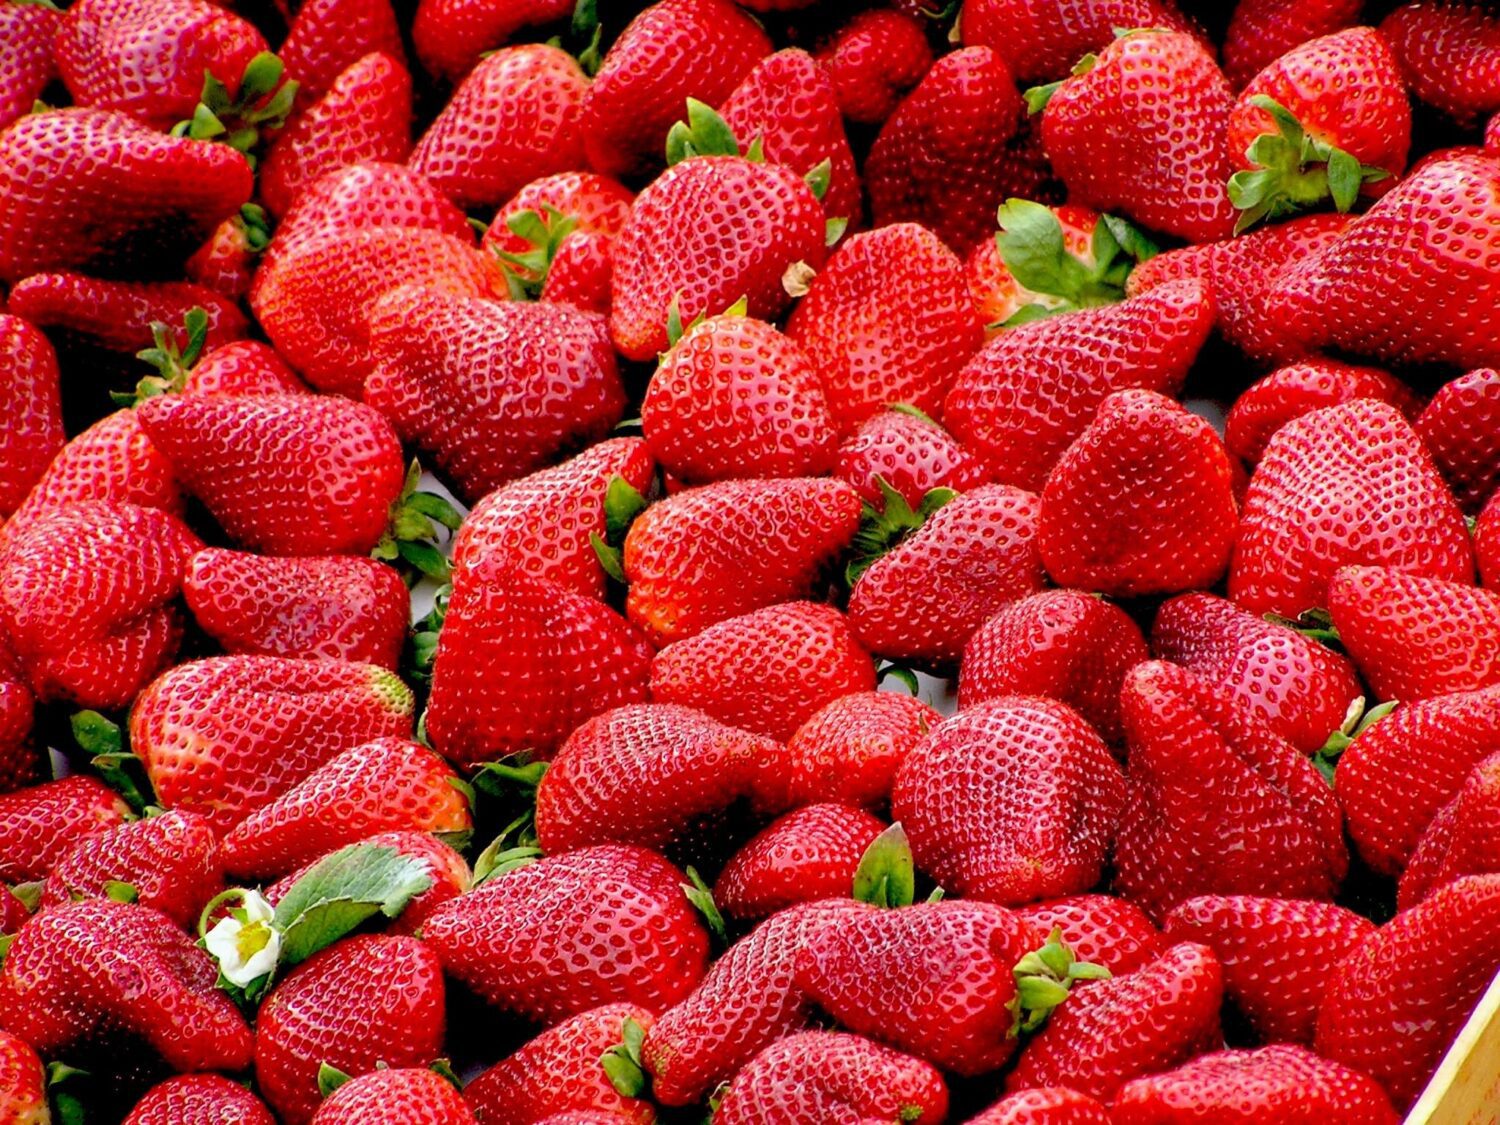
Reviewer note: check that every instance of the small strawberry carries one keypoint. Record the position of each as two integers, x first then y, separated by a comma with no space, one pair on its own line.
1487,542
199,1099
909,452
27,64
20,757
32,429
13,912
1107,931
327,36
1460,428
809,854
39,824
242,367
23,1082
1041,39
452,35
413,1095
1450,55
873,60
1045,1105
118,316
556,238
597,204
1261,31
1462,839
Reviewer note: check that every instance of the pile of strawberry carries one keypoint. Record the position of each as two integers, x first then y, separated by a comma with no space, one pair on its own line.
785,359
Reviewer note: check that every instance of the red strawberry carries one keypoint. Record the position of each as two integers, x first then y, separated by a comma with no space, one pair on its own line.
327,36
1062,644
873,60
716,552
492,389
226,260
1462,839
1010,801
1460,428
1217,803
1487,542
13,912
911,453
888,321
582,272
1107,931
171,860
92,188
335,608
597,204
1261,31
1140,129
118,315
452,35
365,1002
1045,1105
671,51
806,855
199,1099
831,1075
1280,1084
39,824
1374,1015
572,932
560,1071
20,756
88,596
243,367
517,116
1450,54
32,431
1347,484
409,1096
646,775
520,663
1041,39
27,32
1032,390
228,735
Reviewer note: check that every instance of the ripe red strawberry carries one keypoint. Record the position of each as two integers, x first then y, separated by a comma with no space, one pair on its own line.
888,321
1462,839
1045,1105
1025,397
671,51
227,735
765,671
955,149
492,389
1140,130
873,60
327,36
20,757
119,983
286,474
27,32
335,608
1107,931
735,398
409,1094
925,596
171,860
1061,644
32,429
92,188
520,663
1450,54
452,35
1363,292
572,932
380,786
1375,1018
364,1002
559,1072
1261,31
1460,428
1400,772
40,823
1487,542
806,855
1280,1084
911,453
118,315
13,912
832,1075
582,272
1218,804
242,367
88,596
598,204
647,775
1041,39
1276,954
199,1099
716,552
225,262
515,117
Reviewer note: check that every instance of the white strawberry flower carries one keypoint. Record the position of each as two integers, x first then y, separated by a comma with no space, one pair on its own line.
245,943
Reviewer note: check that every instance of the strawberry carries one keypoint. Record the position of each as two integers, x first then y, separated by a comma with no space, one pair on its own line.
1299,388
888,321
452,35
1399,773
241,367
227,735
32,432
925,596
27,65
120,983
1045,1105
1154,103
1300,689
733,397
1343,485
92,188
23,1079
597,205
492,389
808,854
327,36
1459,428
1023,399
225,261
725,549
1373,1017
1487,542
170,860
88,596
365,1002
831,1075
334,608
1261,31
673,50
1275,953
1010,801
647,775
409,1094
380,786
39,824
909,452
118,315
1283,1083
13,912
1278,829
767,670
572,932
1107,931
286,474
1041,39
1327,119
873,60
520,663
581,273
199,1099
1462,838
20,756
560,1071
1062,644
515,117
365,115
954,150
1450,55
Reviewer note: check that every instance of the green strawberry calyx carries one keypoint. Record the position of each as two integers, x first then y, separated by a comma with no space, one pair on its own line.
882,529
1357,720
418,522
886,875
624,1063
105,742
264,102
172,361
544,231
701,895
622,503
705,133
1044,978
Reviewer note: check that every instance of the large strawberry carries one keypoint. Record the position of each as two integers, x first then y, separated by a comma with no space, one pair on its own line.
27,64
1100,928
452,35
194,1099
1463,838
40,823
1450,54
909,452
1261,31
1460,427
328,35
1041,39
873,60
810,853
414,1094
32,430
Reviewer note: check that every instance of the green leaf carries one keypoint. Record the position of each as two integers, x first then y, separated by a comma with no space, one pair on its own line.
702,898
1044,979
68,1107
610,558
674,320
443,1068
1130,238
819,176
622,503
890,670
30,894
261,75
426,558
756,151
1344,179
117,891
886,875
125,773
704,133
882,529
1037,97
330,1078
623,1063
586,29
1032,247
833,230
95,734
340,892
